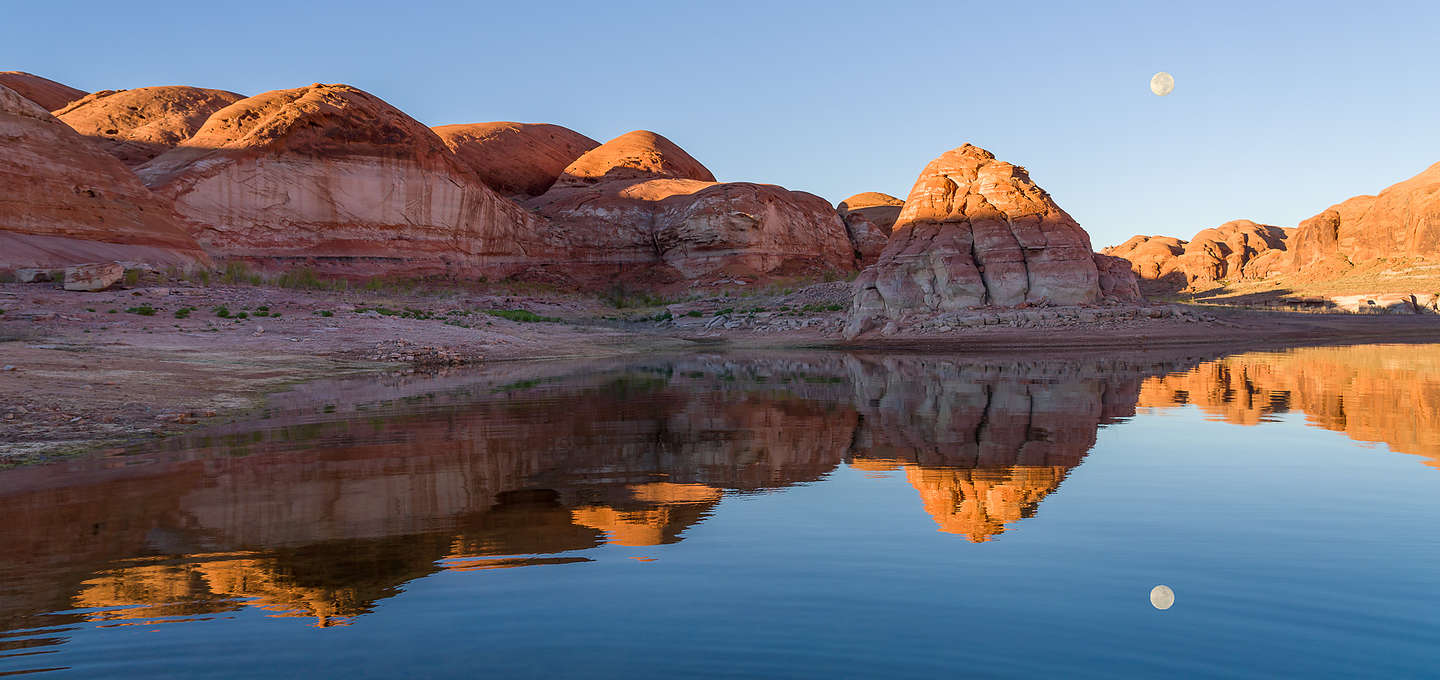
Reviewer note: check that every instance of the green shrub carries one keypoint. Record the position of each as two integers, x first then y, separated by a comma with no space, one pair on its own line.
142,310
132,277
521,315
325,313
222,311
695,313
239,272
184,312
723,312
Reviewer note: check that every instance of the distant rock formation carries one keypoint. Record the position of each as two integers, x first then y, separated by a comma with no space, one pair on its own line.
1238,250
331,176
975,231
638,208
140,124
869,219
48,94
1403,221
63,201
520,160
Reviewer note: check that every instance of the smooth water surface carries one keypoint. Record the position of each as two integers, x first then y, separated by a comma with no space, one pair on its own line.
816,515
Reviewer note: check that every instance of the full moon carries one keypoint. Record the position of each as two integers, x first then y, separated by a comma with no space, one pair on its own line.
1162,83
1162,597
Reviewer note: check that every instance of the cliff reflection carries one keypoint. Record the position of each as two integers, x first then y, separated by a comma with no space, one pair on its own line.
1373,393
323,516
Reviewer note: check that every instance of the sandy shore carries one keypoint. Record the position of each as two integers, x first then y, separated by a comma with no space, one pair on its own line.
80,371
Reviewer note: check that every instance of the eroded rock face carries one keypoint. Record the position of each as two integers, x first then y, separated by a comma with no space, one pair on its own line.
140,124
48,94
516,159
869,218
331,176
652,219
975,231
1401,221
63,201
1238,250
1117,280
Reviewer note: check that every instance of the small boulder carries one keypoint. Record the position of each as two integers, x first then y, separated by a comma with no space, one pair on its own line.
93,277
32,275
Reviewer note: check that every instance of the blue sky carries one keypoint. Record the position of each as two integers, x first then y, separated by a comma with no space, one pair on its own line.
1280,108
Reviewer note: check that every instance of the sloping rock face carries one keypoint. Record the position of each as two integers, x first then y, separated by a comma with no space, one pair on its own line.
519,160
333,177
657,217
140,124
49,94
1235,251
1403,221
869,218
65,202
975,231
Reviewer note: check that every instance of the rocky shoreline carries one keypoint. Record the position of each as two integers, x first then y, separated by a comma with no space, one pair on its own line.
88,371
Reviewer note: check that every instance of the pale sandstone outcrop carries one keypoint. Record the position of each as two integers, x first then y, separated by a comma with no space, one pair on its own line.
139,124
869,219
332,176
515,159
63,201
644,210
48,94
975,231
93,277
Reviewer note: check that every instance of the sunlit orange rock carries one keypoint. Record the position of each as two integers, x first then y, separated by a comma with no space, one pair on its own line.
46,93
634,156
975,231
516,159
332,176
1401,221
140,124
63,201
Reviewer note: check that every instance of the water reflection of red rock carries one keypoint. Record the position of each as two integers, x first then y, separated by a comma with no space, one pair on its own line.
983,443
323,520
1372,393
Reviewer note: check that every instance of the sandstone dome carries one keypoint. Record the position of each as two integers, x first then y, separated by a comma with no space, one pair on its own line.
332,176
139,124
516,159
637,155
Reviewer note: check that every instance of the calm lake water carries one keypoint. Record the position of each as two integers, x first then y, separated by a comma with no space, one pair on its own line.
785,515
